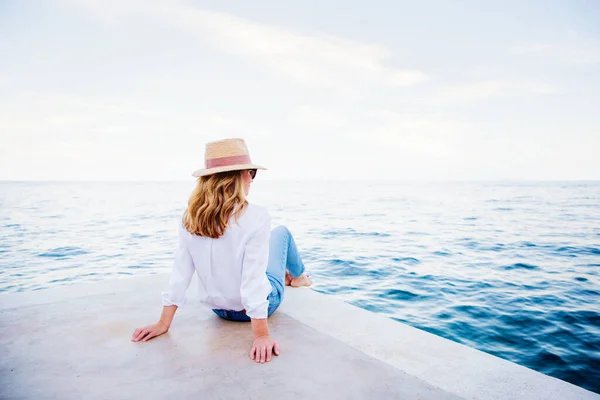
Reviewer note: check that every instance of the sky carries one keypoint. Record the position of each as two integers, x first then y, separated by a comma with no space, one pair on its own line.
350,90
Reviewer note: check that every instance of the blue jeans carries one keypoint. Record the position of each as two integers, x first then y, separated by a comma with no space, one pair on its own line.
283,255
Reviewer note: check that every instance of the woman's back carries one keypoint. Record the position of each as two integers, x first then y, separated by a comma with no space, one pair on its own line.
231,268
219,262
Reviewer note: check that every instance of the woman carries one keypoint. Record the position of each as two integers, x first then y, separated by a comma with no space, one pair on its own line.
242,265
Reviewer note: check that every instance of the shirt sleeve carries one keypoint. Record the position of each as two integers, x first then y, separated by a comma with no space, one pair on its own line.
255,288
181,275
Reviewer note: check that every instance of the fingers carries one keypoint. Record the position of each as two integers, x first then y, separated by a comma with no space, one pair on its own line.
269,352
151,334
263,354
276,349
139,334
142,335
258,353
135,333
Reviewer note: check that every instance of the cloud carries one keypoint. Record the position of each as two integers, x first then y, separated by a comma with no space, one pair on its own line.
318,119
316,59
460,94
322,60
414,135
219,126
57,129
79,116
572,50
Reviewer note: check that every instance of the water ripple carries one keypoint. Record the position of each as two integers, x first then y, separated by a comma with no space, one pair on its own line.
521,266
63,252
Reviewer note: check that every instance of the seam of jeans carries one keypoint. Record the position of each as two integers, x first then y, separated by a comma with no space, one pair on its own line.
284,252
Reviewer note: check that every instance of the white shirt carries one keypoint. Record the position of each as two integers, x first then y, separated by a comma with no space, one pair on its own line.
231,269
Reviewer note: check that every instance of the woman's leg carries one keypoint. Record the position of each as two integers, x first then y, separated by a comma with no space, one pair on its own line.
283,256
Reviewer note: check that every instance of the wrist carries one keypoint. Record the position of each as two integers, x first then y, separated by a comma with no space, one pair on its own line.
260,327
162,323
266,335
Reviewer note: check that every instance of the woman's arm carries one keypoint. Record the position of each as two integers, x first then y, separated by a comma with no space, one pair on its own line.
255,289
175,295
166,318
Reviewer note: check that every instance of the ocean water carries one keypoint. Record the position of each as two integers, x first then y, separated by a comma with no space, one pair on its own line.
508,268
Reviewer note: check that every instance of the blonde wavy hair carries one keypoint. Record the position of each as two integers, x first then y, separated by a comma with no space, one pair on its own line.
212,203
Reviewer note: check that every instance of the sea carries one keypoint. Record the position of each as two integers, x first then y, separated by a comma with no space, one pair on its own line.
509,268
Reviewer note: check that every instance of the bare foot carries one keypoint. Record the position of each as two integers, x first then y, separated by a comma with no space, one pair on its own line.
302,280
288,278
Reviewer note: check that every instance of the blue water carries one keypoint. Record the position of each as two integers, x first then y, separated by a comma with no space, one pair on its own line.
510,269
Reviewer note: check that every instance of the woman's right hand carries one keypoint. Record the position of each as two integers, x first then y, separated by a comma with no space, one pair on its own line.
149,332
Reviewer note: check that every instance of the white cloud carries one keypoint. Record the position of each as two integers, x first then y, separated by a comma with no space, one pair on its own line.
322,60
45,135
80,116
484,90
218,126
571,50
416,135
317,119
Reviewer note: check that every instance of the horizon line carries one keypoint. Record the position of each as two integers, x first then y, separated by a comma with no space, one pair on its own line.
320,180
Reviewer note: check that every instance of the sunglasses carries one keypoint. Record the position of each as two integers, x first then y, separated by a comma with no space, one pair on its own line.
252,173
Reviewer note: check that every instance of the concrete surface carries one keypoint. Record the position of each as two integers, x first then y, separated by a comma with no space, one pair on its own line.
73,342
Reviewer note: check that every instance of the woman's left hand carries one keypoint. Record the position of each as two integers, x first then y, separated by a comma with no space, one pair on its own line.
262,349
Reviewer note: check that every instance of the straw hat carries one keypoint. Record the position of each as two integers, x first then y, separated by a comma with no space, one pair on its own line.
226,155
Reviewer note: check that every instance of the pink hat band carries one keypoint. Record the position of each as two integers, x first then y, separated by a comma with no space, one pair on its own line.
228,161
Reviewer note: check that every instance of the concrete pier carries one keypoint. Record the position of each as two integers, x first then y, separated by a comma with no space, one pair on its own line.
73,342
